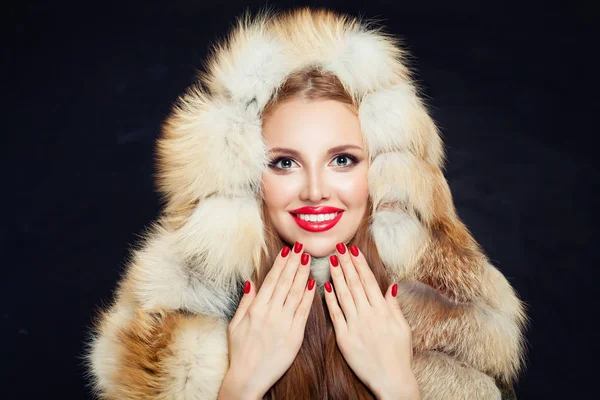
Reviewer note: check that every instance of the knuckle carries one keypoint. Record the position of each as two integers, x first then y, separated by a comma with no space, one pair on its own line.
269,281
336,272
284,281
255,312
295,293
303,311
346,298
355,283
336,315
365,281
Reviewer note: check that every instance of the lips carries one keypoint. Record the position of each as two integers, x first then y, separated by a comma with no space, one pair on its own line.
317,210
317,226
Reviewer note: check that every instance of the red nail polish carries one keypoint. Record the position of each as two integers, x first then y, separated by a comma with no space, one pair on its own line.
311,284
247,287
395,289
304,259
298,247
354,250
285,251
328,287
334,260
341,248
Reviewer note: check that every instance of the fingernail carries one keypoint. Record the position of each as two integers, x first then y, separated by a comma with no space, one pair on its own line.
304,259
297,247
247,287
285,251
334,260
328,287
311,284
354,250
341,248
395,289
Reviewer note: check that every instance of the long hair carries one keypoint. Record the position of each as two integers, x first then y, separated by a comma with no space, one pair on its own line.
319,370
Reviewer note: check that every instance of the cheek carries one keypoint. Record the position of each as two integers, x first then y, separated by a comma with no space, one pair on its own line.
353,190
278,191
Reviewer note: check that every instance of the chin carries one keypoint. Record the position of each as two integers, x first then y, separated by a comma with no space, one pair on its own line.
320,248
319,244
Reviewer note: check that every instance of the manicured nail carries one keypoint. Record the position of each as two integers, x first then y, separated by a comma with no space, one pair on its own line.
354,250
304,259
341,248
334,260
395,289
328,287
298,247
285,251
247,287
311,284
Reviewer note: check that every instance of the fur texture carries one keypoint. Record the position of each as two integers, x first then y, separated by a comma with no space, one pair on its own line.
165,335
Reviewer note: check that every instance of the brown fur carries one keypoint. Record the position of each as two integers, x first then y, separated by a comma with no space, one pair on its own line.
165,335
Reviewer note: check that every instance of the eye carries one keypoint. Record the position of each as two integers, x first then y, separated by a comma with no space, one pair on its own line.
344,160
282,163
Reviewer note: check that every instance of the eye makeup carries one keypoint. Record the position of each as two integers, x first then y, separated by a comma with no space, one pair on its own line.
353,159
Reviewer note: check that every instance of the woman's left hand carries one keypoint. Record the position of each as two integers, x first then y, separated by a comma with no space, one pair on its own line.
371,331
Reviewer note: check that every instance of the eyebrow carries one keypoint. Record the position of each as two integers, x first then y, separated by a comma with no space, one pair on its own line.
333,150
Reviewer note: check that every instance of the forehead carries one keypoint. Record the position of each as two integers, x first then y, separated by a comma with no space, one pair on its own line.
317,123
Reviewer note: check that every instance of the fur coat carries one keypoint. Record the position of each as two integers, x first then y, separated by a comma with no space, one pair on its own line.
164,335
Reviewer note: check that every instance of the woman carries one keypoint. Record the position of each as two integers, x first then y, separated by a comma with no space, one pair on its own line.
306,162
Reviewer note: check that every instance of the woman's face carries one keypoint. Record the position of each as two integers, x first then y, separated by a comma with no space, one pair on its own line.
317,172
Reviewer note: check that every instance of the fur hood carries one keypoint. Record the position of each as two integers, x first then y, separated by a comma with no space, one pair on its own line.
209,238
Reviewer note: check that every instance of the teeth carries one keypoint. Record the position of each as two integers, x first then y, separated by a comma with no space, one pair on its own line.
317,217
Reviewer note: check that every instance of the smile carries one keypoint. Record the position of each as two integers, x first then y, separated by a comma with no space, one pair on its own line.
317,219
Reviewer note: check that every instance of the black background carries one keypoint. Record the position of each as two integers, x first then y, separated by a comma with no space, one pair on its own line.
86,87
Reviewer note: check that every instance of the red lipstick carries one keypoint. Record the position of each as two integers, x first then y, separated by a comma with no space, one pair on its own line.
317,226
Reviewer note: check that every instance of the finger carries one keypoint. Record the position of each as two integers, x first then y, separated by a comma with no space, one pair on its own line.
335,312
286,278
298,288
353,281
303,309
394,306
371,287
344,297
247,297
266,289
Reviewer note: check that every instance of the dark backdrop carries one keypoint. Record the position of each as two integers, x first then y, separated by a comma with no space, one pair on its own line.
86,87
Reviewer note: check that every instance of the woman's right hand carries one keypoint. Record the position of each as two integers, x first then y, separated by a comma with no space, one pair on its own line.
267,330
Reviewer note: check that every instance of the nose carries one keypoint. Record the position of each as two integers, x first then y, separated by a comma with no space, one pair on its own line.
316,187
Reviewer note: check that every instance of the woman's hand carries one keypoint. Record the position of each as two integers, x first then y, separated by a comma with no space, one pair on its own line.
267,330
371,331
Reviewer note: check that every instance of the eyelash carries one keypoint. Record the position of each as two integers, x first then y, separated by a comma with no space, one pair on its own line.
273,164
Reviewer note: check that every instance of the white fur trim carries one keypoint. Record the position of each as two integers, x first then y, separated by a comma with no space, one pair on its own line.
498,345
440,376
363,61
401,177
199,266
320,269
104,347
213,147
199,360
394,119
252,66
400,239
225,235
